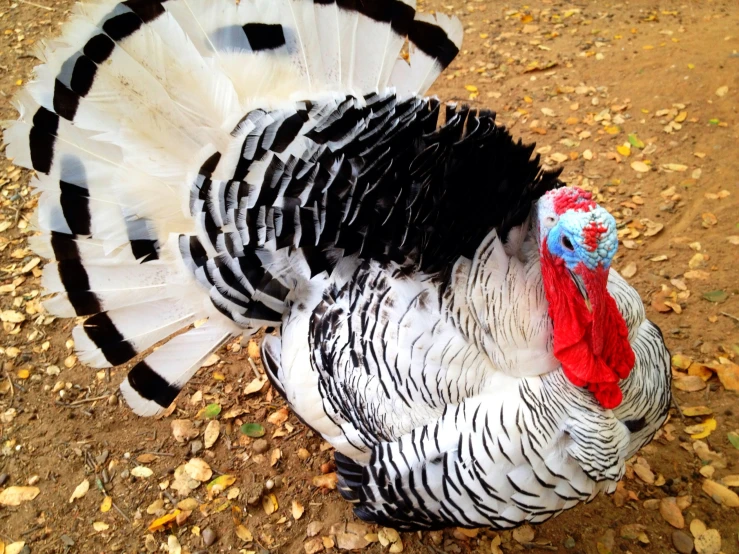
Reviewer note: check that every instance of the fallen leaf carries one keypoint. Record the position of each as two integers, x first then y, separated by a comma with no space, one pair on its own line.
696,411
269,504
164,521
184,430
689,383
717,296
670,512
730,480
279,417
708,220
327,481
697,528
675,167
297,510
244,534
212,430
255,386
635,141
681,361
253,430
721,494
728,374
220,483
142,472
641,167
106,504
80,491
624,150
733,439
198,469
15,547
697,275
629,270
652,228
722,91
707,427
100,526
708,542
11,316
209,412
274,457
15,496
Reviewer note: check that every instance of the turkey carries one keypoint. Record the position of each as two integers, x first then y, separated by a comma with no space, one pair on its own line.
444,311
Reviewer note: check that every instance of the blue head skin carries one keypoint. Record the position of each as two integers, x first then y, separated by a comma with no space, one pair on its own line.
576,229
584,237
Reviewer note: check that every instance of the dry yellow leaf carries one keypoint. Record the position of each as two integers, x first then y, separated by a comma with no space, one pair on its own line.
244,534
80,491
708,425
612,130
100,526
641,167
297,510
721,494
162,522
471,88
624,150
695,411
269,504
23,374
106,504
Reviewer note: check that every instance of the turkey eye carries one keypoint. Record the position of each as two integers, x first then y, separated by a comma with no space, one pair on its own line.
567,244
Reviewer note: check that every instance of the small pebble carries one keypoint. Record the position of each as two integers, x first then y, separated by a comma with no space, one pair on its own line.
150,543
113,400
269,484
303,454
209,536
3,478
25,550
125,473
66,539
682,541
569,542
196,446
260,446
33,479
103,457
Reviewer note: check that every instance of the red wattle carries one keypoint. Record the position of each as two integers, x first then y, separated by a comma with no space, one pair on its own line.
592,346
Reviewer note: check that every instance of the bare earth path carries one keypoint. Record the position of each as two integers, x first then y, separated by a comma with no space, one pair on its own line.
637,100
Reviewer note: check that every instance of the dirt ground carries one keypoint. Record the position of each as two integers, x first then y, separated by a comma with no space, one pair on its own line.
637,100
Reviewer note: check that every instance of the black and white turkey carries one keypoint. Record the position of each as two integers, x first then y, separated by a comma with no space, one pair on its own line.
447,315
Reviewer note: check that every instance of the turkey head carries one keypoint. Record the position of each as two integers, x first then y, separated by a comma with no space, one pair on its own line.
577,241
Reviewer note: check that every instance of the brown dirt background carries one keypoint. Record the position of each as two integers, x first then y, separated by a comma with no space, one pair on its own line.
635,59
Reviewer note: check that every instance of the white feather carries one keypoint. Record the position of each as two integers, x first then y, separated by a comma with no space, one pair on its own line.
177,361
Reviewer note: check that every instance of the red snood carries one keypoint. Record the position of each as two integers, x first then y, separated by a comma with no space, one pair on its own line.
591,344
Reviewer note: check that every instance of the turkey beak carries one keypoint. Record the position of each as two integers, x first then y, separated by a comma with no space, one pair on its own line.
581,287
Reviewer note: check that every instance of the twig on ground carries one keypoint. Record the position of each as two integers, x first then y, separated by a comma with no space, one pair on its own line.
730,316
47,8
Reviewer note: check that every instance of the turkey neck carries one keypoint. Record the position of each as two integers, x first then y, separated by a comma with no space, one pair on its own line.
497,300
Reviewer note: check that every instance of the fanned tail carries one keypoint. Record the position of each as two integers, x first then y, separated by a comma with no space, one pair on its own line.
118,124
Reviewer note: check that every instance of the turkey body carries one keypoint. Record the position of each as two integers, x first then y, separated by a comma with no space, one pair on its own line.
207,168
442,427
